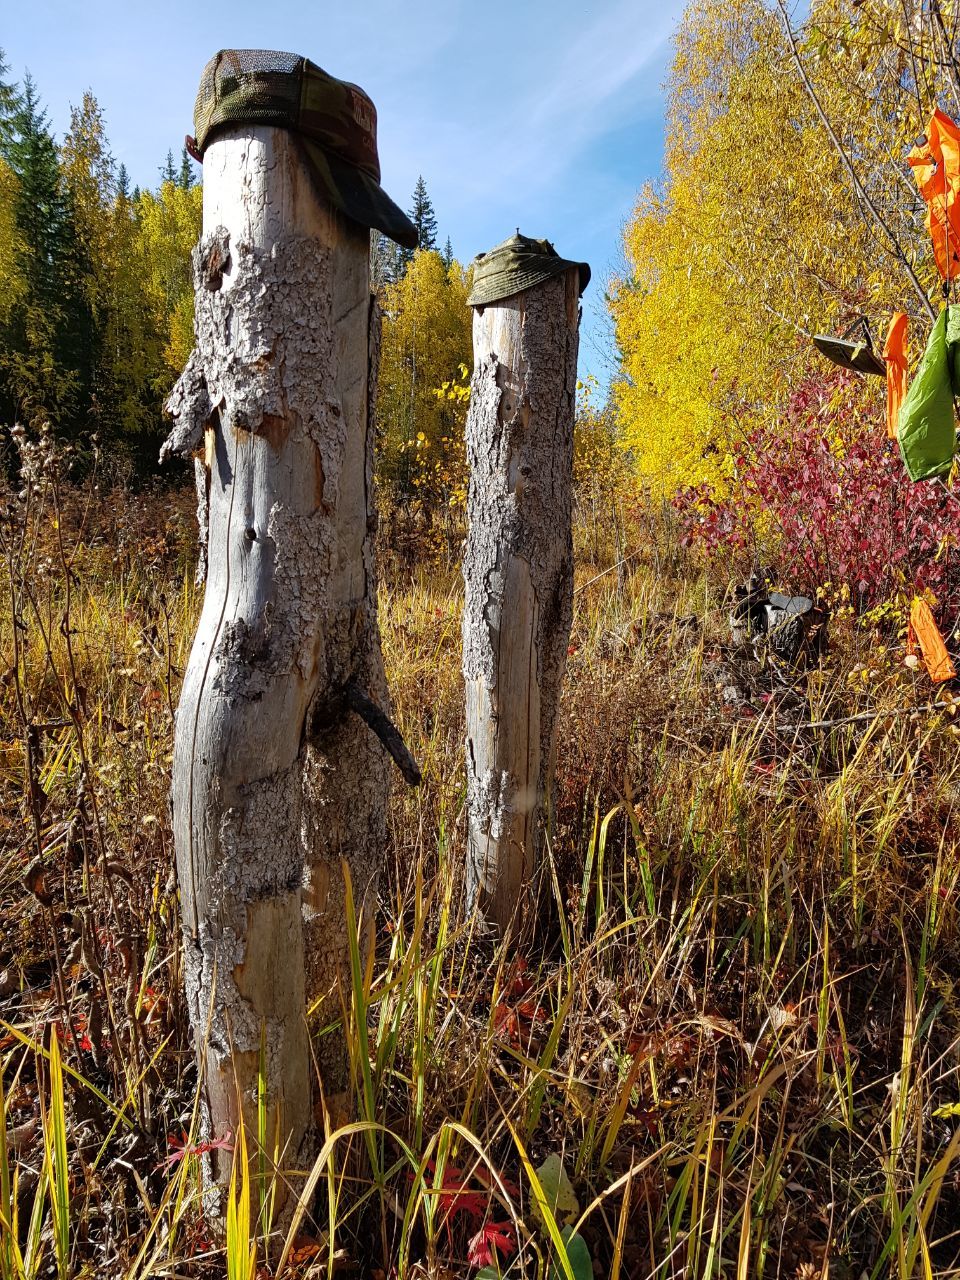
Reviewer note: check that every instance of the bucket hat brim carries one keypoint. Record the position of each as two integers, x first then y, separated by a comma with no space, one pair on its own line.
518,264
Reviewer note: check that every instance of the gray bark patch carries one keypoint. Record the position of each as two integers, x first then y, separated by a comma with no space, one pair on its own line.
518,573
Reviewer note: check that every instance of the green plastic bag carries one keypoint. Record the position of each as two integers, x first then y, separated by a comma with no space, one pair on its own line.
926,428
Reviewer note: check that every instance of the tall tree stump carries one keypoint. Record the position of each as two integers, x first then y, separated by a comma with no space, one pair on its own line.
518,572
275,780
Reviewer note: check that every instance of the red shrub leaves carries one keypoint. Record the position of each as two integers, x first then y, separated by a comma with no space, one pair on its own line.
182,1147
831,501
459,1202
492,1236
456,1196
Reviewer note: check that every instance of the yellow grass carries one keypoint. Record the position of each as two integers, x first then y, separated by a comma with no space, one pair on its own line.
737,1027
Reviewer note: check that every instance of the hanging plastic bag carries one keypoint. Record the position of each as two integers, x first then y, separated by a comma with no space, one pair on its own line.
895,357
936,166
926,431
925,633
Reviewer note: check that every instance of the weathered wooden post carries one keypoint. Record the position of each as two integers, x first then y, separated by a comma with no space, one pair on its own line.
276,777
518,567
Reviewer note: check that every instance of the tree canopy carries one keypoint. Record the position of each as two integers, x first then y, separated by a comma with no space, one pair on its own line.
426,355
786,208
96,298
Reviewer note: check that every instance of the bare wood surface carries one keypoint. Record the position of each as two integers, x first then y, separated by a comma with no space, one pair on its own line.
518,572
275,406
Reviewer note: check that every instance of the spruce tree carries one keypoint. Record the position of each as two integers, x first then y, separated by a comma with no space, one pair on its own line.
9,105
131,339
41,214
424,219
423,216
11,246
447,254
89,180
186,177
36,377
168,171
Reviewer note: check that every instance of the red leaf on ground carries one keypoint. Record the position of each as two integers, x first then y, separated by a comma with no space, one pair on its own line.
182,1146
506,1023
455,1195
491,1237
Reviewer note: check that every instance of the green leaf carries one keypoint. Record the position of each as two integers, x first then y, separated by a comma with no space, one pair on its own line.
557,1189
578,1256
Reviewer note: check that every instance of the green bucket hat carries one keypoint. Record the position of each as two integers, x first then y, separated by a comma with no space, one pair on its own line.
334,121
518,264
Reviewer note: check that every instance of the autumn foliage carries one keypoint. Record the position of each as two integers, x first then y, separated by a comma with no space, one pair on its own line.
769,224
731,1045
426,355
96,286
831,503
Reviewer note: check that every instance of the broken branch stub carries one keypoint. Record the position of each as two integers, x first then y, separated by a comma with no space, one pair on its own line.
270,793
518,572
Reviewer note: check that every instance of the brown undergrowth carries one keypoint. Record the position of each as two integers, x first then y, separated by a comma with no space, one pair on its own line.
737,1034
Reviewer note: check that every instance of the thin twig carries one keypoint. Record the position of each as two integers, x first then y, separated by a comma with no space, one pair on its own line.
583,586
866,715
848,165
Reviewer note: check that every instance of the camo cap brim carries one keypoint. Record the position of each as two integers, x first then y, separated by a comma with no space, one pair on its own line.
335,121
519,263
857,356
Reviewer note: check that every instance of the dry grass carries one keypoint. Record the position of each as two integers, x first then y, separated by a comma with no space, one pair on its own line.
738,1029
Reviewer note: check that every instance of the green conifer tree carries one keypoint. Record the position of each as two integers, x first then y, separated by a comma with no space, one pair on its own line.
90,184
36,377
9,104
168,170
130,342
186,178
424,218
12,283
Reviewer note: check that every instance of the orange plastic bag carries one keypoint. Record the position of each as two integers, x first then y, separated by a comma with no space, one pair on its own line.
895,354
924,631
936,167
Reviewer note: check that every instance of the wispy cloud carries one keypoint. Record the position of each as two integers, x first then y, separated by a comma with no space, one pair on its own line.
509,104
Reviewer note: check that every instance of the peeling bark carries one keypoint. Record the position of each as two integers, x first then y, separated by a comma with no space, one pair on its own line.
518,572
274,781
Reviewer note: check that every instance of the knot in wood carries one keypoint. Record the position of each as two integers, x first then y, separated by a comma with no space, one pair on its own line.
214,258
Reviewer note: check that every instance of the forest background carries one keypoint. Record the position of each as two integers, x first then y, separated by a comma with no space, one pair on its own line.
785,207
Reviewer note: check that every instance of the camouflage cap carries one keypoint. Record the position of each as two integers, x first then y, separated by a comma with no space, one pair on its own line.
517,264
335,122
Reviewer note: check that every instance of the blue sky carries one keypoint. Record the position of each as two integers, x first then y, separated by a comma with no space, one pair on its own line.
546,116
